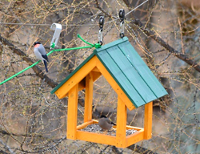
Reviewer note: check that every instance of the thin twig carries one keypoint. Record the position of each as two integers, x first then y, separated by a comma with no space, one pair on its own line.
159,40
140,149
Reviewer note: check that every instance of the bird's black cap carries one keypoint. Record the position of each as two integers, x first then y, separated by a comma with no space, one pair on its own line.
36,43
103,116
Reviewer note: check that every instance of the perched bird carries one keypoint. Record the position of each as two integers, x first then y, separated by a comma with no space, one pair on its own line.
40,53
105,123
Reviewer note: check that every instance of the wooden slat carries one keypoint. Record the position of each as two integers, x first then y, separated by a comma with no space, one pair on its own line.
72,112
135,128
143,69
136,137
95,69
88,98
148,120
131,74
97,138
76,78
95,121
85,124
121,123
71,74
95,75
81,85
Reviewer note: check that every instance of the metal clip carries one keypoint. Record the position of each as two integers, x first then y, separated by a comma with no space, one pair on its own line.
56,35
101,23
122,18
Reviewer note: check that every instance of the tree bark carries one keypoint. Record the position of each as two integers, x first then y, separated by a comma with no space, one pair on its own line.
160,41
25,57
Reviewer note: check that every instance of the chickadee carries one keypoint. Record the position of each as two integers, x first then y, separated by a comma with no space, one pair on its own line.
105,123
40,53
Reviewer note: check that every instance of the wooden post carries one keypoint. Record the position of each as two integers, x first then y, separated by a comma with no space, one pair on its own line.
88,98
148,120
72,112
121,123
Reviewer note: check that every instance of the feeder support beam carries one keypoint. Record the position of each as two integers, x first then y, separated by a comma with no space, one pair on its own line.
72,112
121,123
88,98
148,120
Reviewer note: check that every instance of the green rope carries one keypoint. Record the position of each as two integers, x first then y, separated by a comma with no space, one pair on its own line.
96,45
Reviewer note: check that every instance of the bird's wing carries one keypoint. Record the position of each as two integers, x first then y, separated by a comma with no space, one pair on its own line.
45,57
109,121
41,49
38,54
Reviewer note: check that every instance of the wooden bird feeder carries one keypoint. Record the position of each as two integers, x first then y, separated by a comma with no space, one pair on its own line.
130,78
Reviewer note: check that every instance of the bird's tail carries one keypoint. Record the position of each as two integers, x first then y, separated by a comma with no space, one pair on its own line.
45,64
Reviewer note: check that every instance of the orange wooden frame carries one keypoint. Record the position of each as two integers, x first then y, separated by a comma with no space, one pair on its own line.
84,79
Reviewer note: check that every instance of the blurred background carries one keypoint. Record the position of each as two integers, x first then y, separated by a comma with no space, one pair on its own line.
164,32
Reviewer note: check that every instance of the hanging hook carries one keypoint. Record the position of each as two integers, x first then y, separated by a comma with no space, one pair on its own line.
122,18
101,23
58,28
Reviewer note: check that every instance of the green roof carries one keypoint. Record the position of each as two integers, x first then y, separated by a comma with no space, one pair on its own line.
129,71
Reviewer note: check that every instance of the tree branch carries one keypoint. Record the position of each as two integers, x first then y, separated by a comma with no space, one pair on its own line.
6,147
116,150
25,57
160,41
140,149
101,9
